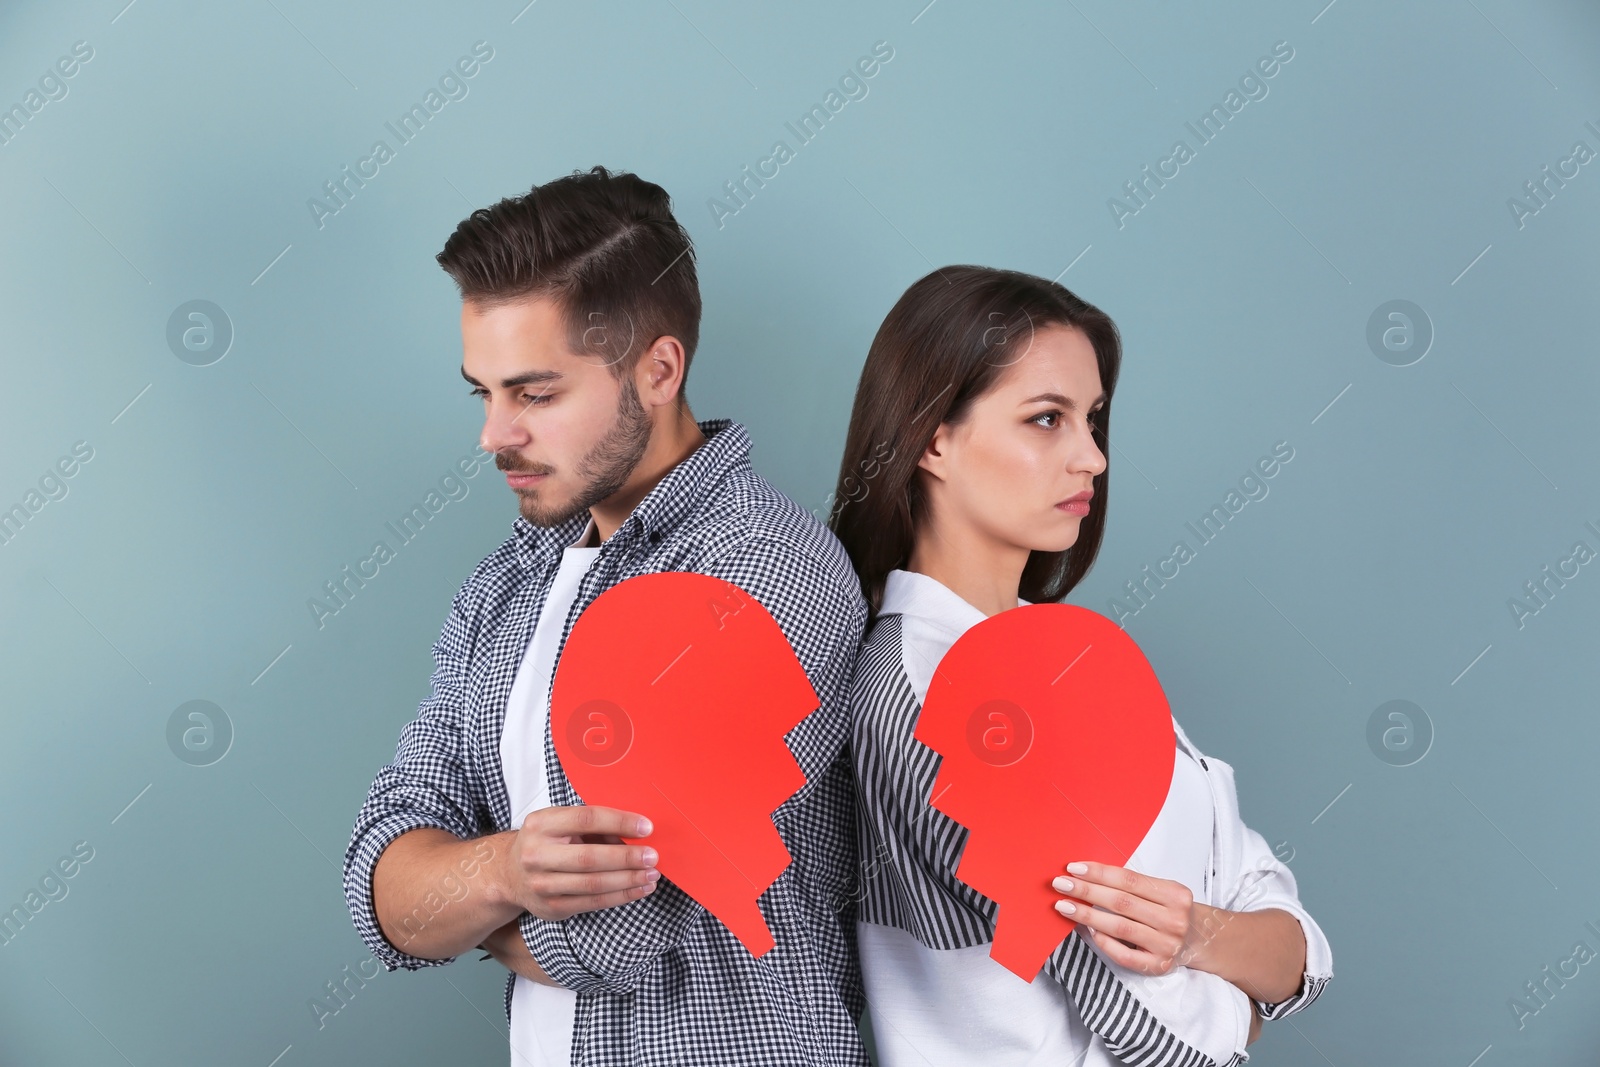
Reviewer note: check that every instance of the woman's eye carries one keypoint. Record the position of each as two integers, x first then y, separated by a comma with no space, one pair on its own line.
1053,415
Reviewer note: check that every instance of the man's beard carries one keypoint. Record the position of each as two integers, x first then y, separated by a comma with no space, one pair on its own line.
606,467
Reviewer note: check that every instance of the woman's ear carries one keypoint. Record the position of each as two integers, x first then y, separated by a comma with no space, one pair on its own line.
935,456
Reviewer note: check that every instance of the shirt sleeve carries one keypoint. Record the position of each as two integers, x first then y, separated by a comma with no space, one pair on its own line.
425,785
822,614
1183,1016
1263,881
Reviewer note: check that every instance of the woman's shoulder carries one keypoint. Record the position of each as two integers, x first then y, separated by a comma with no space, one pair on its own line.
884,704
880,657
1187,745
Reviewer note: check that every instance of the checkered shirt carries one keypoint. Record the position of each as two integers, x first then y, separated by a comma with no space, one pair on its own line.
660,981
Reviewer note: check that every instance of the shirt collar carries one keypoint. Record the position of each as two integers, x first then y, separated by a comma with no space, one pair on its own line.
669,502
933,616
912,593
583,535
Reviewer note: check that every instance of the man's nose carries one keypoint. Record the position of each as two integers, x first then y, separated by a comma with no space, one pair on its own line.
501,430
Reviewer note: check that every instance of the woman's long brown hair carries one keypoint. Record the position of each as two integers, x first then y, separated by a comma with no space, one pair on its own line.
944,344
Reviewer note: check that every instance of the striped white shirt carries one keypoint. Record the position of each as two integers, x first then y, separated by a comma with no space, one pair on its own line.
934,996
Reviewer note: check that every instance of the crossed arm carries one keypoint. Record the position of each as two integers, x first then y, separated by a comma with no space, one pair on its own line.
1153,925
562,861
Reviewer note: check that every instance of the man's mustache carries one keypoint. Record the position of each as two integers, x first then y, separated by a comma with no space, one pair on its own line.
503,464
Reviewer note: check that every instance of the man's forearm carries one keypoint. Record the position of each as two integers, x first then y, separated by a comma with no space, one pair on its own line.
509,949
437,896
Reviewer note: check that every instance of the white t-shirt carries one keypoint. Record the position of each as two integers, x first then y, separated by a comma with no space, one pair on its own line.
958,1006
541,1015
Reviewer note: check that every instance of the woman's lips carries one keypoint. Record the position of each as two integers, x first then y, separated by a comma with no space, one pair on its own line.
1076,504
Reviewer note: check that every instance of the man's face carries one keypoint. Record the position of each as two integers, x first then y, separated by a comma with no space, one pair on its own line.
566,432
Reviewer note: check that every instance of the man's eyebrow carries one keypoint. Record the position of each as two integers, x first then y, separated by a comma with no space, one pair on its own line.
530,378
1066,402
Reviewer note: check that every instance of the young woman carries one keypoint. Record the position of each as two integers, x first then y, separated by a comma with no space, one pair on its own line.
974,480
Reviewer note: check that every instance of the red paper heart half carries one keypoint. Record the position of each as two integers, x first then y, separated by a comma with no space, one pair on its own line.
1057,745
671,699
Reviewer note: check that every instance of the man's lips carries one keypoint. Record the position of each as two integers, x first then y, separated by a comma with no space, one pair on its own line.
523,479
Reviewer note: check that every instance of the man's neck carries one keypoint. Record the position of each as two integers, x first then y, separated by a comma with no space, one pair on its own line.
666,450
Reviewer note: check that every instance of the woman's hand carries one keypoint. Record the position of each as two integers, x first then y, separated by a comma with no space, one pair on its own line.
1153,925
1146,924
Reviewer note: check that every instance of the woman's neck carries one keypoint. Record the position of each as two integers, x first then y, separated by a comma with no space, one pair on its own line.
984,574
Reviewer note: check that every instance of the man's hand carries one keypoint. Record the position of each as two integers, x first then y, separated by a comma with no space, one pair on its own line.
561,862
566,860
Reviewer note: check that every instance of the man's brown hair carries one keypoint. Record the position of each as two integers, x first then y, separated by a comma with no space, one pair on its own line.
605,246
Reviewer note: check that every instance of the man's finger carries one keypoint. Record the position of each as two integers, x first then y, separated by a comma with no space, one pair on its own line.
583,819
550,885
566,907
582,859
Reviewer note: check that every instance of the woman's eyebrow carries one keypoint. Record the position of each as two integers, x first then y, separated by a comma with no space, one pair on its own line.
1066,402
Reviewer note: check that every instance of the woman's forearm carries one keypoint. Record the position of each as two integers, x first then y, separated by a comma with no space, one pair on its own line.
1262,952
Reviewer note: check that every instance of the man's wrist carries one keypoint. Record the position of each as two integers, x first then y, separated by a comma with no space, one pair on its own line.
498,881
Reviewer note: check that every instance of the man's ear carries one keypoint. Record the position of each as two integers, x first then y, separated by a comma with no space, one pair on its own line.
658,375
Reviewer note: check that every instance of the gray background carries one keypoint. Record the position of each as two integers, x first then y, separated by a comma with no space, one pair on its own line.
1380,567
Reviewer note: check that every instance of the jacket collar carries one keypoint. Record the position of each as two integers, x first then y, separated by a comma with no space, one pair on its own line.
676,496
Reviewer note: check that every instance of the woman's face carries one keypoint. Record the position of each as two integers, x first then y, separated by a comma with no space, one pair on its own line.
1025,448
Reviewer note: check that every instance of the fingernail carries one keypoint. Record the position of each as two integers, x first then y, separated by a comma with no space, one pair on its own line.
1063,885
644,828
650,857
1078,868
1066,907
651,875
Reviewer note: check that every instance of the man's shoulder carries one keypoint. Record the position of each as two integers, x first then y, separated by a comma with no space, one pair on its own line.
748,520
493,581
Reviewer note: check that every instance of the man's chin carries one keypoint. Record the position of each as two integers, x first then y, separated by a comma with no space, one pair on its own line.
541,514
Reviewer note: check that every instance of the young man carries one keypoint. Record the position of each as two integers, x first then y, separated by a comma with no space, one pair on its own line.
580,314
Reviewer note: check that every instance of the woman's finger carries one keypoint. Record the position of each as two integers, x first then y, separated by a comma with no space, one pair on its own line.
1158,943
1158,902
1169,916
1123,955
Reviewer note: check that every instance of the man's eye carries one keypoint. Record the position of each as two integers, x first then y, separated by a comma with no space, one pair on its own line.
542,398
